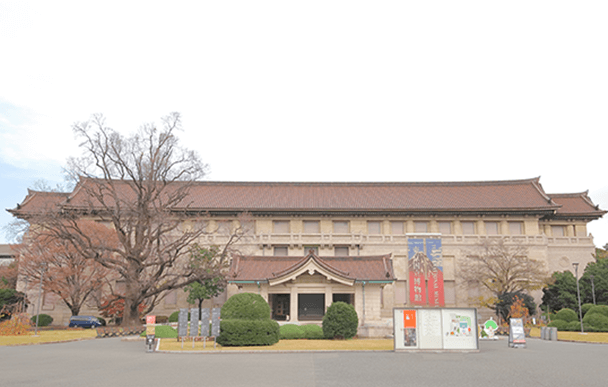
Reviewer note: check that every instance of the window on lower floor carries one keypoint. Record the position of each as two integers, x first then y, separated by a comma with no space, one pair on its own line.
280,304
311,306
344,297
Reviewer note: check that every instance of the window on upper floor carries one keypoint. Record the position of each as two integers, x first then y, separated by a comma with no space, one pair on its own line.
341,227
468,227
374,227
492,228
280,251
445,227
311,226
558,231
397,228
280,226
421,226
341,251
516,228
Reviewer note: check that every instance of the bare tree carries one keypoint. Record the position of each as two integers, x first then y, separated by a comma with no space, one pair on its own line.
62,269
499,268
139,186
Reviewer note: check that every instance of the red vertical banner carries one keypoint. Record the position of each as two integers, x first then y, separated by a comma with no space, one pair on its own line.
435,273
416,266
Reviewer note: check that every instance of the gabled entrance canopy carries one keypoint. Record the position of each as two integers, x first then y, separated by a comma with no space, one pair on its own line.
346,270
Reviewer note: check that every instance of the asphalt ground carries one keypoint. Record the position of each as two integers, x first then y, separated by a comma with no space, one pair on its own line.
112,362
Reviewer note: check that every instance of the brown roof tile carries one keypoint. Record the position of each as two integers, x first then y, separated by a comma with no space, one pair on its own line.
576,204
263,268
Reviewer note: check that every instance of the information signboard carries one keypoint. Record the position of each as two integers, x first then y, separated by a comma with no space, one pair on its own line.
517,335
182,322
215,321
205,314
435,329
193,322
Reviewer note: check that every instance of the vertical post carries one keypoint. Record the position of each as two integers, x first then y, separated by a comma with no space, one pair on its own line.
578,294
592,288
363,288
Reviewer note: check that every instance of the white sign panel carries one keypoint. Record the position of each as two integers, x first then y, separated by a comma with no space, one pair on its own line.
459,329
429,323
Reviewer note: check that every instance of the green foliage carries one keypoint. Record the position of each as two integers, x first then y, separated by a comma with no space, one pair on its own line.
567,315
598,309
597,321
503,306
248,306
340,321
561,293
10,297
312,332
163,332
203,290
239,332
291,332
585,308
559,324
43,320
599,270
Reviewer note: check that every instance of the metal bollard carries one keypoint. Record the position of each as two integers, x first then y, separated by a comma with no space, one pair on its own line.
553,334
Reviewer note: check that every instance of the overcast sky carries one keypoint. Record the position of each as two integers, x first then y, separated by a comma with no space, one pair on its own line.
317,90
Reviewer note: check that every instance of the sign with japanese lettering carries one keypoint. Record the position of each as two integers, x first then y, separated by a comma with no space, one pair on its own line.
425,267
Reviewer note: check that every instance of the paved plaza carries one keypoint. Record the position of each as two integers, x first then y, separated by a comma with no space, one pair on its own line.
112,362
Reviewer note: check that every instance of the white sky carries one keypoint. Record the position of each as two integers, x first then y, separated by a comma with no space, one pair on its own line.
317,90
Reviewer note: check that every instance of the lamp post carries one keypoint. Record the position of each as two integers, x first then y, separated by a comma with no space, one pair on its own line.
578,294
592,288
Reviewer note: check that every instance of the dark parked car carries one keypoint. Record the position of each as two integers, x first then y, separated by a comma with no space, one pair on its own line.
84,322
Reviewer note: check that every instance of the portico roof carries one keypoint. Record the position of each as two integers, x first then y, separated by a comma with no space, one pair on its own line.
279,269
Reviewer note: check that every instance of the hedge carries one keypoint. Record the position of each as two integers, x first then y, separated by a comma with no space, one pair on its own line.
597,321
567,315
312,332
235,332
43,320
291,332
598,309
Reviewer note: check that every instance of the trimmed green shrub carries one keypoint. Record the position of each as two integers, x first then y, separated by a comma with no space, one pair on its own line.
291,332
312,332
340,321
559,324
43,320
575,326
585,308
597,309
567,315
248,306
597,321
238,332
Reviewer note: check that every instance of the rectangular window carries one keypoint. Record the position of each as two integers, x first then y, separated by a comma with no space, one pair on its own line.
341,227
280,251
420,227
311,226
558,231
341,251
280,226
396,228
374,227
516,228
445,227
468,227
492,228
311,306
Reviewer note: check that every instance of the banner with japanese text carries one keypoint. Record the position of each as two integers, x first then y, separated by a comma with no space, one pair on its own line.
425,264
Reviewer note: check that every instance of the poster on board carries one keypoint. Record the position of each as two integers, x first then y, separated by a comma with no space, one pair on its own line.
425,266
459,329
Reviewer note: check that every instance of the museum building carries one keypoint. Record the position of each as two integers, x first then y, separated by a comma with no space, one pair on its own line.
374,245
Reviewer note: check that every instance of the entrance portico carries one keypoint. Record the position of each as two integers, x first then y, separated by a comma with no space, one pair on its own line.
300,289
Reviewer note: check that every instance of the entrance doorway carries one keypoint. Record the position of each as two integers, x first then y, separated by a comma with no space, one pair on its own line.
280,306
311,306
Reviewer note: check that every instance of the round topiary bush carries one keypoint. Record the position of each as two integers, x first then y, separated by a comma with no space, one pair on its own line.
43,320
175,316
291,332
585,308
598,309
597,321
559,324
567,315
247,306
340,321
312,332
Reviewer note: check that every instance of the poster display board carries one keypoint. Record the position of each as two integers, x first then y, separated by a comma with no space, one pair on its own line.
215,321
182,322
193,322
205,314
517,335
449,329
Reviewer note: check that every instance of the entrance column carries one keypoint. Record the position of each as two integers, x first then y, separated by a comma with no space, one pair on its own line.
293,305
329,297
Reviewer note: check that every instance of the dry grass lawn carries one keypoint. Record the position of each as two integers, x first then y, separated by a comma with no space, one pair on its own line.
591,337
286,345
49,337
